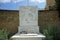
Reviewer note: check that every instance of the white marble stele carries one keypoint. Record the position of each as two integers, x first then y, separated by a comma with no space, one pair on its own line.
28,23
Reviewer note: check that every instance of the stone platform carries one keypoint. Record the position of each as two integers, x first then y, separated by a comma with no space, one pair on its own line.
28,36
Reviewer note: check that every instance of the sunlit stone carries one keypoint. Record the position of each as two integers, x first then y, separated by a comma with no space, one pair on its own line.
28,24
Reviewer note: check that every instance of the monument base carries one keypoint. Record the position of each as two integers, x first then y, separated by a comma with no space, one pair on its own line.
29,29
28,36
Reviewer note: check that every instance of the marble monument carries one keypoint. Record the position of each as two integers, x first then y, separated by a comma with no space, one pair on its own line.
28,24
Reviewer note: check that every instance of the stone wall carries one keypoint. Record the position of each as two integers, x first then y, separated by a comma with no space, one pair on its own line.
10,19
48,18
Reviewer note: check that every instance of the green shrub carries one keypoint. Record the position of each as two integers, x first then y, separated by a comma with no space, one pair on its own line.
4,34
51,33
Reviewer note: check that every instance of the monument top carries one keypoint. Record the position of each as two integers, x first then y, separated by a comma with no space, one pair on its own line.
28,15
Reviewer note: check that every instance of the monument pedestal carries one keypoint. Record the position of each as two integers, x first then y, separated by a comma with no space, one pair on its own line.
29,29
28,24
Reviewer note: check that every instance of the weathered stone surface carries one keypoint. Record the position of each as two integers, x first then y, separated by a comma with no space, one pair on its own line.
28,18
29,29
28,15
